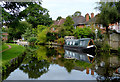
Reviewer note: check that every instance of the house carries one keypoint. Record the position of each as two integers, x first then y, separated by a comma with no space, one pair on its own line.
4,36
81,21
115,26
58,23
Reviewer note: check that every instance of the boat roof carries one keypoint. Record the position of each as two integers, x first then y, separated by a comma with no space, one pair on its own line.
78,39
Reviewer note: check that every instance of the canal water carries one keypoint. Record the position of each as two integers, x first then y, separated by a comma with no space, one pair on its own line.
55,63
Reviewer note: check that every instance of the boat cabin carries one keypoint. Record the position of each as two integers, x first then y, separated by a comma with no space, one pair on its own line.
84,42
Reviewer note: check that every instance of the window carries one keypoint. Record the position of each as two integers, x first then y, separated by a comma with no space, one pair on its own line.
70,43
80,43
67,43
53,29
74,43
83,43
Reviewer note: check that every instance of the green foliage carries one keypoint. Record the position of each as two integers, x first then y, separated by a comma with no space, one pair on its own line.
67,28
51,36
99,34
106,47
41,53
32,39
68,22
108,14
40,28
27,34
41,36
42,33
59,17
85,32
69,65
4,29
83,64
18,30
34,13
37,15
77,13
16,50
60,41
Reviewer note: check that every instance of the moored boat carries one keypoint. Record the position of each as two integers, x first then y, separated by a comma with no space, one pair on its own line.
84,44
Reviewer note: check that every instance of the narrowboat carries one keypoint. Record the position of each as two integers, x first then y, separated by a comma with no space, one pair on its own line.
84,44
79,56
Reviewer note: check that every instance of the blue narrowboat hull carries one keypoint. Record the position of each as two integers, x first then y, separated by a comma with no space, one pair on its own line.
80,49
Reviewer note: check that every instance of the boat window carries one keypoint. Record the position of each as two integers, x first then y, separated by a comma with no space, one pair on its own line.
70,43
67,43
80,43
83,43
74,43
90,43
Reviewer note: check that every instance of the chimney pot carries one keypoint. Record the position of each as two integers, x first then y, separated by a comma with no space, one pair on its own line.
87,17
92,15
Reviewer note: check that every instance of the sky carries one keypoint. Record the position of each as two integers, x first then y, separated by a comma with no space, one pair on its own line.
64,8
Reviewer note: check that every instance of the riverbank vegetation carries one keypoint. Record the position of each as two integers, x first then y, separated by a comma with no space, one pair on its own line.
11,53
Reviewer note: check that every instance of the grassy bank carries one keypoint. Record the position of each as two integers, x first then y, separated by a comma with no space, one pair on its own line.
11,53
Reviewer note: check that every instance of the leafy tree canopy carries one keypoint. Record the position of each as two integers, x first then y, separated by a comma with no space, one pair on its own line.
108,15
69,21
59,17
33,12
19,30
85,32
37,15
77,13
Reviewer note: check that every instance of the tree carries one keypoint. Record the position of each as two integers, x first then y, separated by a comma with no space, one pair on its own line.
67,28
34,14
108,14
42,33
40,28
85,32
37,15
19,30
68,22
28,33
11,13
59,17
77,13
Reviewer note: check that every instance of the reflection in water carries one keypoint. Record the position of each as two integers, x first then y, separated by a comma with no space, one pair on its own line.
35,68
79,56
36,65
106,65
39,60
14,64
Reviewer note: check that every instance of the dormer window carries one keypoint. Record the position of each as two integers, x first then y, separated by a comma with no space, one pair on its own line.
53,29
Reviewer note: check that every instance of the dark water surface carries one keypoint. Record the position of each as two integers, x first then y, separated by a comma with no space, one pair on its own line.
55,63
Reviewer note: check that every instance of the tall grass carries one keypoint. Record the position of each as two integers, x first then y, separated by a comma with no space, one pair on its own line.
11,53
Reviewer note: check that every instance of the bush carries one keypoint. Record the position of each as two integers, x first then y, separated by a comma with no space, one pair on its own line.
32,39
60,41
102,46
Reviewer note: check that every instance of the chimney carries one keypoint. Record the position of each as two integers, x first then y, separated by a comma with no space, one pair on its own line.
87,17
92,15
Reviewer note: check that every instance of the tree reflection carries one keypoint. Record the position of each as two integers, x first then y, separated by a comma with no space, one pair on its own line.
106,65
35,64
69,65
35,68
